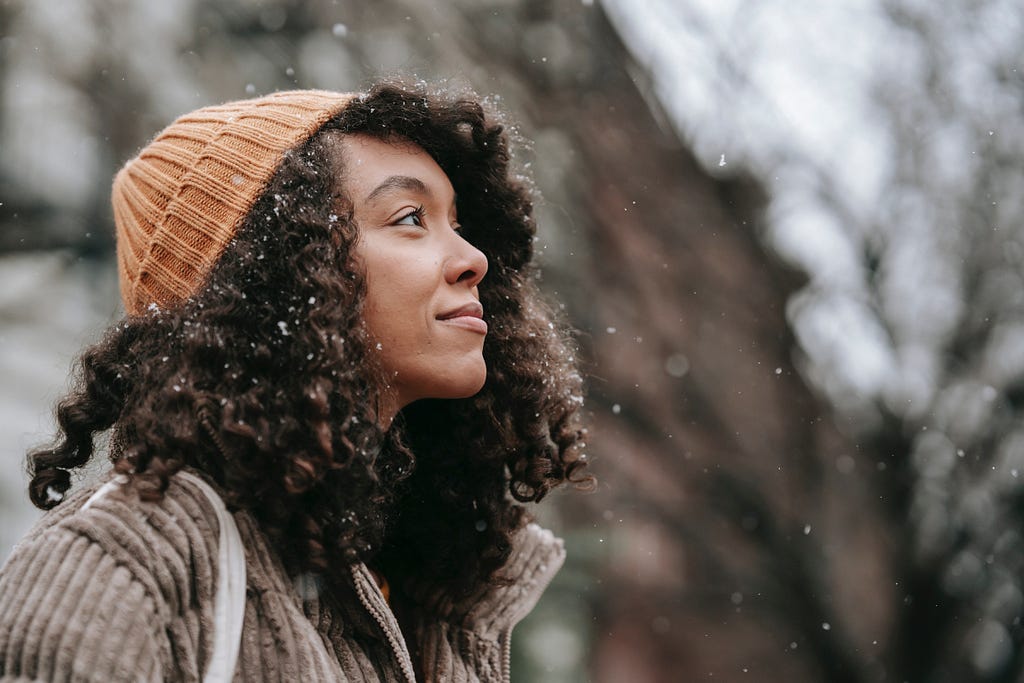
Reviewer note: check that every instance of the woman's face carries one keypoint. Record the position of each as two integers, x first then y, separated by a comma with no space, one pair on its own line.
422,302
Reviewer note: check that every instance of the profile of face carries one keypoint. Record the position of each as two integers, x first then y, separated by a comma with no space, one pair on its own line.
422,304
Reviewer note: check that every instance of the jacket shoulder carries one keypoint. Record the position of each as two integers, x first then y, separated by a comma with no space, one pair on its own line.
100,588
170,546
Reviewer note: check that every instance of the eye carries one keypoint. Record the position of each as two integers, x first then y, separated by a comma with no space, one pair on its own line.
414,217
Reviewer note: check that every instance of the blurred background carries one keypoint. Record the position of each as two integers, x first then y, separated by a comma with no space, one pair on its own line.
790,236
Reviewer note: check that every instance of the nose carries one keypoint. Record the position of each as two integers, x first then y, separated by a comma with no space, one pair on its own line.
467,264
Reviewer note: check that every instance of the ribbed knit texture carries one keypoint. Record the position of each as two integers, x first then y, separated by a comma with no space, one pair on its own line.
124,591
467,640
178,204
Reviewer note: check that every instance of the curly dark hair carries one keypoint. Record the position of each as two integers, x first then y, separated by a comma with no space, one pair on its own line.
265,379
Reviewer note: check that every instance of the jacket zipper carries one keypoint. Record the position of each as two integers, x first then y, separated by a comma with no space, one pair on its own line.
397,643
506,656
506,636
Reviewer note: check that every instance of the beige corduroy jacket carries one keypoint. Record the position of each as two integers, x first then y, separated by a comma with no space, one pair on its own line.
124,591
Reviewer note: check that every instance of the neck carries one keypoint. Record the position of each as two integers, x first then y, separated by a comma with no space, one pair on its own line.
387,408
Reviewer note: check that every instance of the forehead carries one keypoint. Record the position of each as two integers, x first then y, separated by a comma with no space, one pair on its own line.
369,161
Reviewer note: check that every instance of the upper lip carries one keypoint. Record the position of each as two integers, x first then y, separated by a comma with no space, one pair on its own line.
473,310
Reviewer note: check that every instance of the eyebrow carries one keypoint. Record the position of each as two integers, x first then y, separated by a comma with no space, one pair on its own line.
397,182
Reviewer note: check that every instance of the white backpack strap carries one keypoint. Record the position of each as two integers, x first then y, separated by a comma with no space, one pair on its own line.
229,609
104,490
229,605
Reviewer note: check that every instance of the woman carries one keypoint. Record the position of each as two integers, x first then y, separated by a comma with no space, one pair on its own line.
333,330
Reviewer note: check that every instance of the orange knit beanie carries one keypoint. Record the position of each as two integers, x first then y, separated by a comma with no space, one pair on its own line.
178,204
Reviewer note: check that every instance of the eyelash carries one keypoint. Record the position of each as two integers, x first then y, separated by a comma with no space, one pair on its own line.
419,213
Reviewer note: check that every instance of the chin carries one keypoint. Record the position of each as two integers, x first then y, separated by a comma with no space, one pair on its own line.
459,379
473,392
469,382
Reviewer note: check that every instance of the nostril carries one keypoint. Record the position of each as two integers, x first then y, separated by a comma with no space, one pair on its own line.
466,275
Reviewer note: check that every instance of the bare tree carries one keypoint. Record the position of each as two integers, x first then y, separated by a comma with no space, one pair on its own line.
738,533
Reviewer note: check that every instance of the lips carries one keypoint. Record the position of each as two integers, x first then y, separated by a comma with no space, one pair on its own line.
469,316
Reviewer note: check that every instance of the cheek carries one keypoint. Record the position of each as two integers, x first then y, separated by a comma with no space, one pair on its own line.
397,304
388,320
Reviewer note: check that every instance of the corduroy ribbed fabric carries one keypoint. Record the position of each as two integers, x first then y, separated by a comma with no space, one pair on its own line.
178,203
124,591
